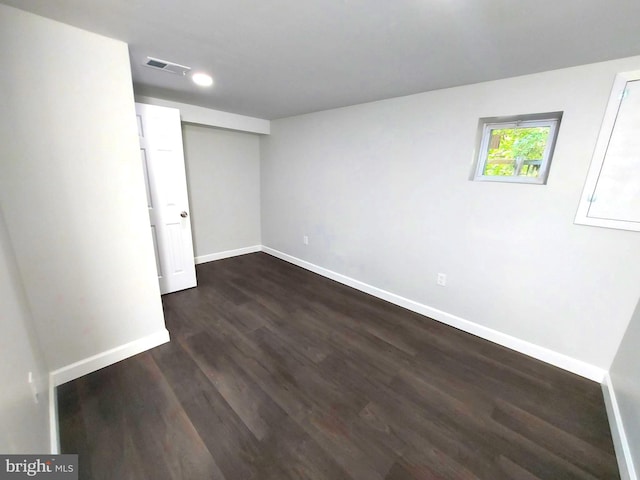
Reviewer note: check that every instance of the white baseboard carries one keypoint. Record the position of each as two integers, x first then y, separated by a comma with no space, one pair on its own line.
227,254
541,353
620,442
109,357
54,435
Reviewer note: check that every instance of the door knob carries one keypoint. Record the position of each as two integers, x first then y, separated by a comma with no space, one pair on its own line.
184,214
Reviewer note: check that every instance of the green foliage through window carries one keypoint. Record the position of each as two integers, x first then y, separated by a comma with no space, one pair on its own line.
516,151
517,148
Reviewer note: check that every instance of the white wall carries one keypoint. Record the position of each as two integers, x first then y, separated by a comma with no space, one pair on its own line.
383,192
625,379
223,176
208,116
25,423
71,188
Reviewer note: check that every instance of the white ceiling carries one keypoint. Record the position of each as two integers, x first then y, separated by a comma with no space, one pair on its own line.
276,58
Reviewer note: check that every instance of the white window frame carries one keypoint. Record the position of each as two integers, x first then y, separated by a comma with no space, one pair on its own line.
618,93
551,120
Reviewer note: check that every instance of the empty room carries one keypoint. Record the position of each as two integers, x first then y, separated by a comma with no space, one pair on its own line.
341,239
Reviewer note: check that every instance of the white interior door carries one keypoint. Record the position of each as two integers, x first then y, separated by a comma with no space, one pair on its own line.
162,159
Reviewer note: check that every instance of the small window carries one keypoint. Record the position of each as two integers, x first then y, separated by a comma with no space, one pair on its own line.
516,149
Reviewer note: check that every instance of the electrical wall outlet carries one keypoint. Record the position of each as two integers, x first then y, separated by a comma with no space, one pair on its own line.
442,279
305,240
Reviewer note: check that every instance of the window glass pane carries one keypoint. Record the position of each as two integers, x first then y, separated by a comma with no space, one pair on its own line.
516,151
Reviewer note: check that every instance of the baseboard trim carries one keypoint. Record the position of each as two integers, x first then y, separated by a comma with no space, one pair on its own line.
54,434
109,357
541,353
227,254
620,442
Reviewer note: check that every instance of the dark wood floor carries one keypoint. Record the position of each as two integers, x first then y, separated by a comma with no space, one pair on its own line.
276,373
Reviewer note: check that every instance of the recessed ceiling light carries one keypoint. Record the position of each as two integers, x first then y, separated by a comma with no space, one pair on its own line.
202,79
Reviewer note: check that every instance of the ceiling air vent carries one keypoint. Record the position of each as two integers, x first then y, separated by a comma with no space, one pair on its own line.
166,66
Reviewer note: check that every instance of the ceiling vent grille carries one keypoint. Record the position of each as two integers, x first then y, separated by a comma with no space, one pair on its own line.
166,66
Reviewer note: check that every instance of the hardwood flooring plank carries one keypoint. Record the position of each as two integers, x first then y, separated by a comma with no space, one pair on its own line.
314,403
552,404
233,447
160,428
256,409
72,429
430,463
329,410
275,373
574,450
300,456
107,418
305,459
513,470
